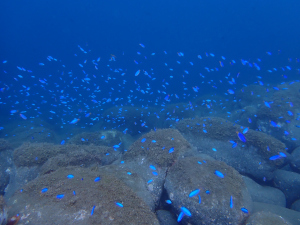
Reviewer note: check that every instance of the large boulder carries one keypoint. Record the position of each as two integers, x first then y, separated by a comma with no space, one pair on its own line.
266,218
289,183
104,137
265,194
3,211
222,195
295,161
36,154
212,136
161,147
79,196
287,216
283,107
296,206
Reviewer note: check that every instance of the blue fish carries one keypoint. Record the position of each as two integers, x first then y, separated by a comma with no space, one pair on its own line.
60,196
92,212
244,210
119,204
152,167
44,190
241,136
186,211
275,157
180,216
219,174
194,193
171,150
70,176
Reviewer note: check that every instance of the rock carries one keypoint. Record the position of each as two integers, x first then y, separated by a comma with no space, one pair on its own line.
4,145
265,194
84,156
144,181
251,95
282,102
187,174
166,218
102,138
156,146
32,134
5,168
288,215
19,176
71,201
296,206
288,183
250,158
3,211
266,218
295,161
36,154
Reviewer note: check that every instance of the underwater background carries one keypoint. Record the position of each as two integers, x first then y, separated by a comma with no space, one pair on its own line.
149,112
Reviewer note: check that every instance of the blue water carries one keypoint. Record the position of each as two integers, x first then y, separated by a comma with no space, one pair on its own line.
34,30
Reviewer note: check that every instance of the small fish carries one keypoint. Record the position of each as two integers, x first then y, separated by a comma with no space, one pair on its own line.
23,116
60,196
74,121
244,210
13,111
241,136
230,91
186,211
219,174
267,104
97,179
171,150
154,173
143,140
180,216
44,190
168,201
70,176
119,204
282,154
137,73
245,130
231,202
275,157
92,212
62,142
194,193
152,167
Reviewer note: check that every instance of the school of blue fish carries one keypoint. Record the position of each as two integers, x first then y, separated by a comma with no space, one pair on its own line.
78,95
